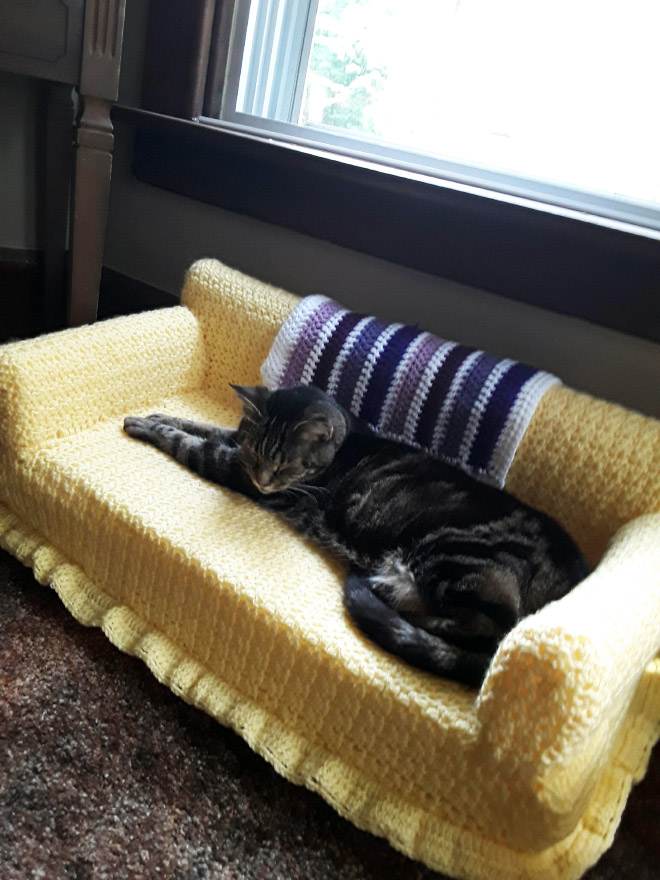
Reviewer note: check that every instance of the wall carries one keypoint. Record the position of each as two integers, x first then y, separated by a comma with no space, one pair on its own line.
154,235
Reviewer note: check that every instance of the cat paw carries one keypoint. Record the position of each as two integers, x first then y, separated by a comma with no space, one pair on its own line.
139,427
147,427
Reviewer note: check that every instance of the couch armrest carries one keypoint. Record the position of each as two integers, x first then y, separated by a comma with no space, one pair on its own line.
240,318
58,384
562,681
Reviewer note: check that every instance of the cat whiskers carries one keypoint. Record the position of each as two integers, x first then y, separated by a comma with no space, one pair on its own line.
323,492
308,490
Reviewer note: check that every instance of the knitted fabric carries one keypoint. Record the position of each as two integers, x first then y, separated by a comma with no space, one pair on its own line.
468,407
239,616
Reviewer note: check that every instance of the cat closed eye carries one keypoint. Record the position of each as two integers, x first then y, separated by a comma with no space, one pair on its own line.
289,467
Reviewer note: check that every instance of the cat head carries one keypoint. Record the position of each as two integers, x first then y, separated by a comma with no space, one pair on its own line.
288,436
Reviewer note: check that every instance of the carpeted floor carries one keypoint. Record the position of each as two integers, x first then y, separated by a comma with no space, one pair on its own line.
106,775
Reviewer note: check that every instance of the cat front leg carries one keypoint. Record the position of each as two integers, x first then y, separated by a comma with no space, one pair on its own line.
198,429
209,451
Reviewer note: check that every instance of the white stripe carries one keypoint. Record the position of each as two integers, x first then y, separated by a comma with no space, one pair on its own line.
288,337
335,375
323,337
391,399
516,424
423,388
369,365
450,400
479,407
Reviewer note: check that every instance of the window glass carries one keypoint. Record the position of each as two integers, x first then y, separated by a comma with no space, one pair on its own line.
563,92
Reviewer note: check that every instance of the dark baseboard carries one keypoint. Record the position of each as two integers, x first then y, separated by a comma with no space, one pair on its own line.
21,282
122,295
19,256
22,295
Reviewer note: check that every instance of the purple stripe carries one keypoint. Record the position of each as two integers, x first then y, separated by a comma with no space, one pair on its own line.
376,392
438,392
473,385
496,414
335,344
353,367
405,392
307,339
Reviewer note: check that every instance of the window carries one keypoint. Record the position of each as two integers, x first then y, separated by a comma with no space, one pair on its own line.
292,75
556,102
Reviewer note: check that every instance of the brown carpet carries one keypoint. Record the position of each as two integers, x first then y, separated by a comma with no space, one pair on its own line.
106,775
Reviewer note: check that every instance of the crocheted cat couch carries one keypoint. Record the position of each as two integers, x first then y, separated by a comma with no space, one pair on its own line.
527,778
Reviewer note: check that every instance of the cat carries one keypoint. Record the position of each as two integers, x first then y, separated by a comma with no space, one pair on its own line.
441,565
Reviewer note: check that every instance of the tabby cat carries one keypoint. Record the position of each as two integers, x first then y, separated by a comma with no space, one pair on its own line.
441,566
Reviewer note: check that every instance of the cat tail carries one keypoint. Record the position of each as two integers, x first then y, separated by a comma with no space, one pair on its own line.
388,629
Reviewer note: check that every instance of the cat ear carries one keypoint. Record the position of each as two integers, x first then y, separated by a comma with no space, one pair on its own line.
253,398
317,429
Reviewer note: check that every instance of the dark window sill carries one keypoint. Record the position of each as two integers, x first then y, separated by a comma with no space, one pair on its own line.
605,275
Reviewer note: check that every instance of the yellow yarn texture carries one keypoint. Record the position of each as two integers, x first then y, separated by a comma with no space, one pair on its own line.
526,779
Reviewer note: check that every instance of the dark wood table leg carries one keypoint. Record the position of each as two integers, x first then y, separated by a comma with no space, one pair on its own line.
58,162
99,81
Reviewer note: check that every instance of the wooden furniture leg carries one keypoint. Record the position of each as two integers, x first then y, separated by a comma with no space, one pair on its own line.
91,194
99,81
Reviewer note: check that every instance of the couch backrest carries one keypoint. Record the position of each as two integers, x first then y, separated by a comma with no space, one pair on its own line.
592,465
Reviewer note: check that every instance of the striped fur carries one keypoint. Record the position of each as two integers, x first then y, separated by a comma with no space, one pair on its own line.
441,566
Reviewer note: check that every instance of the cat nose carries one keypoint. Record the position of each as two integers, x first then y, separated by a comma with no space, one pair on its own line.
264,478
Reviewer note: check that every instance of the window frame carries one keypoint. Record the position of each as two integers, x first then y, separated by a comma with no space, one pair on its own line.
269,33
281,31
604,271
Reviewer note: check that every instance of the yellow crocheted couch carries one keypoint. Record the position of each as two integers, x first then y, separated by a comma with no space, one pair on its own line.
239,616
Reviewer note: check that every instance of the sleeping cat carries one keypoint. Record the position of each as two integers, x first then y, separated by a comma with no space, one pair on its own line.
441,566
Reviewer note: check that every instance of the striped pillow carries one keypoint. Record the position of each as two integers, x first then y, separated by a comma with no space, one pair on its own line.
467,407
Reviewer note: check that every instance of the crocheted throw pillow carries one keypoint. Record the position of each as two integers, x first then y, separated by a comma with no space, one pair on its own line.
468,407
